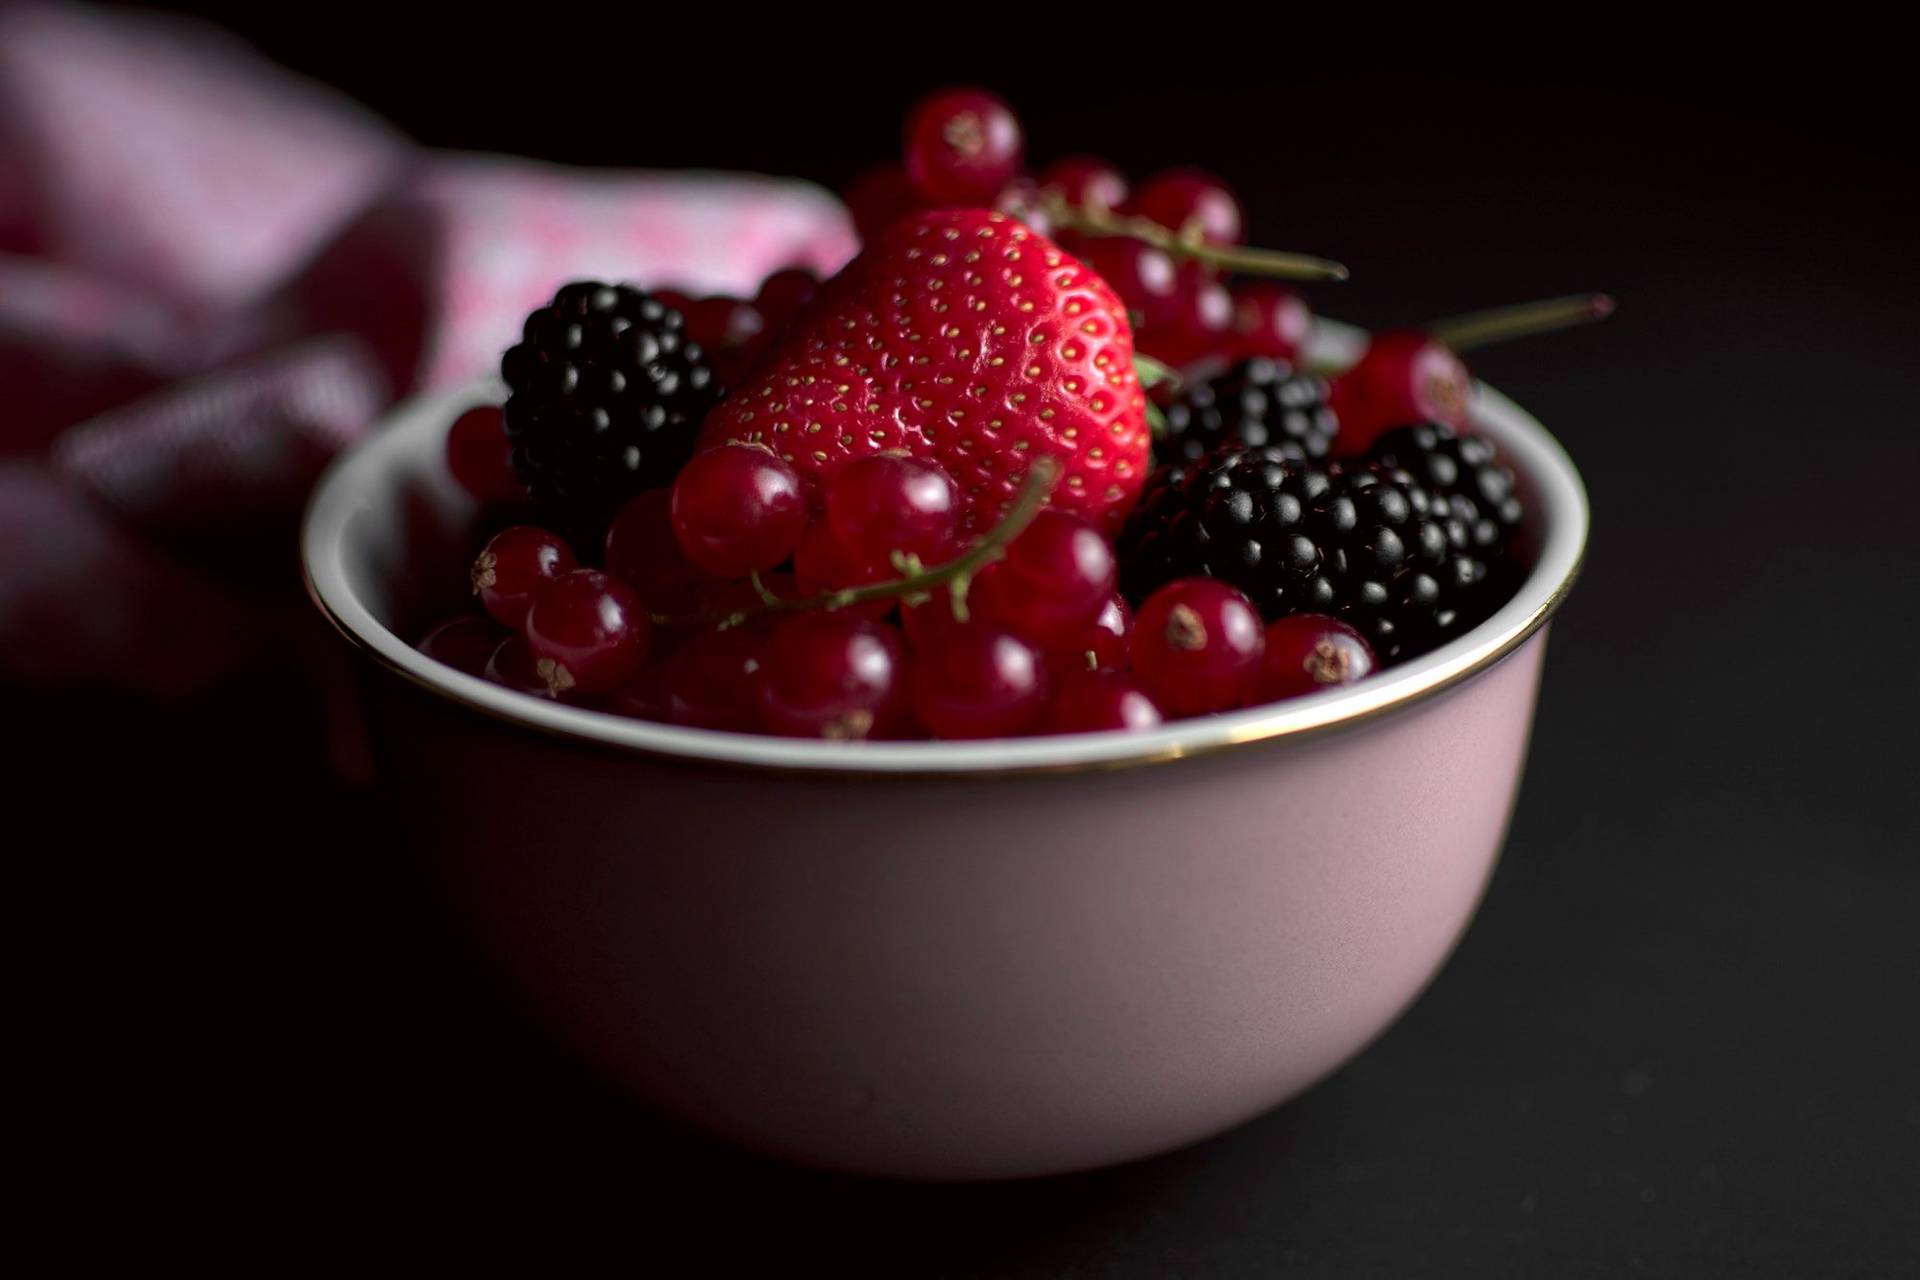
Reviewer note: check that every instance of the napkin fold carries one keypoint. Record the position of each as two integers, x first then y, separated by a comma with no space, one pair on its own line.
214,276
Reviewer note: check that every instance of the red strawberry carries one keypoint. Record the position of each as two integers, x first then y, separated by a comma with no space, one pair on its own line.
964,337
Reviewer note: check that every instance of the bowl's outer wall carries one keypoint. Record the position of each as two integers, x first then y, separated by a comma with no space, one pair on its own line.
953,978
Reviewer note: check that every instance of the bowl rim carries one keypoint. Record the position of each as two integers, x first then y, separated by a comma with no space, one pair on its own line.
1555,488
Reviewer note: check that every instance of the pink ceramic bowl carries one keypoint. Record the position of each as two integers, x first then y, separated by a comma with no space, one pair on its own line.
935,960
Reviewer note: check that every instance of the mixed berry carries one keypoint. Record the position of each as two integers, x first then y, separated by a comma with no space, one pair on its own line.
1044,458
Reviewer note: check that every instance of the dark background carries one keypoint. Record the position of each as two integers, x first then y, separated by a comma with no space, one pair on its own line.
1680,1039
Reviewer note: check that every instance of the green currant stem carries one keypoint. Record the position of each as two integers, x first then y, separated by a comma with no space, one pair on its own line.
1256,262
1498,324
955,574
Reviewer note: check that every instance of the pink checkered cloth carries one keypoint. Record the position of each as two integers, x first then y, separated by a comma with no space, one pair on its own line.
214,276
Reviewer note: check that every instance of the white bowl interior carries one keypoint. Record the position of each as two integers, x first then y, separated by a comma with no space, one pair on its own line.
388,530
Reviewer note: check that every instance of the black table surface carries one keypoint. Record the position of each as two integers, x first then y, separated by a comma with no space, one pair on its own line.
1682,1038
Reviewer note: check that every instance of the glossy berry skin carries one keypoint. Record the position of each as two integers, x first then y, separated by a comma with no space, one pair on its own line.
1197,646
480,457
1259,401
513,666
783,294
1192,323
821,564
1144,277
1101,645
886,503
731,331
1191,203
736,595
1095,701
712,681
879,198
832,675
720,323
1086,182
643,552
1270,320
1021,200
964,338
608,395
1308,652
1052,582
1464,471
515,564
926,620
962,146
587,632
738,509
1404,377
463,643
978,681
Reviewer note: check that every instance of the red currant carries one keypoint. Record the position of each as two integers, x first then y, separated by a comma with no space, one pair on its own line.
1195,321
513,666
1101,645
643,552
783,294
587,631
879,198
1271,320
831,675
1307,653
821,564
1090,701
712,681
1021,199
1052,582
885,503
1197,646
738,510
962,146
978,681
1143,276
721,324
515,564
1191,203
926,620
674,299
480,457
723,595
1404,377
644,697
463,643
1086,182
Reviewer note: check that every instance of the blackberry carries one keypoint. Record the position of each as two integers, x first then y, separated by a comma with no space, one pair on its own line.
607,397
1402,566
1369,545
1257,402
1238,514
1464,470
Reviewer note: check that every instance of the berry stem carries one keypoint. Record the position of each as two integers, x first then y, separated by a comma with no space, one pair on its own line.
1257,262
1498,324
955,575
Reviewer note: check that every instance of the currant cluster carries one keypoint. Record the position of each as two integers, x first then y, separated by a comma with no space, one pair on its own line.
921,501
868,617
